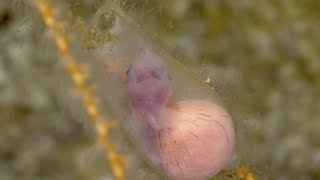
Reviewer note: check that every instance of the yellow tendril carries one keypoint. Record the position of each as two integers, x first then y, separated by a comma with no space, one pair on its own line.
79,77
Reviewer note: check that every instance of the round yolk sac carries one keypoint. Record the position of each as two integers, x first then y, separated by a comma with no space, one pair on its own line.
197,143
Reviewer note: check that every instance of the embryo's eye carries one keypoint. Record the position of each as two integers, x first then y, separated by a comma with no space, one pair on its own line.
128,70
156,74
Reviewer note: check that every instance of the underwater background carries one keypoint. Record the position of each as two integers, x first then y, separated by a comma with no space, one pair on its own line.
262,57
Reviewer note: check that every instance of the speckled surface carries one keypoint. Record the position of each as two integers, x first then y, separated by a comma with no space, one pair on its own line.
261,57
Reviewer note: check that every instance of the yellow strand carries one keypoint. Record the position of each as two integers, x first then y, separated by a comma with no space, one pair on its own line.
242,173
79,77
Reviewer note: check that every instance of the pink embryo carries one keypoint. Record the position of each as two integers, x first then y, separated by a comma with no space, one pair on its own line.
148,89
193,139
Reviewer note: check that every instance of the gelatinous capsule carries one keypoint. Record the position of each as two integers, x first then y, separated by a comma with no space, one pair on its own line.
190,136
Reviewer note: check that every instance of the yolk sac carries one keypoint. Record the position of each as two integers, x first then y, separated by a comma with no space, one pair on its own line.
199,142
194,139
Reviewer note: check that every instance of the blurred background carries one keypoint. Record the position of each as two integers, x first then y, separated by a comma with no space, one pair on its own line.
262,57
